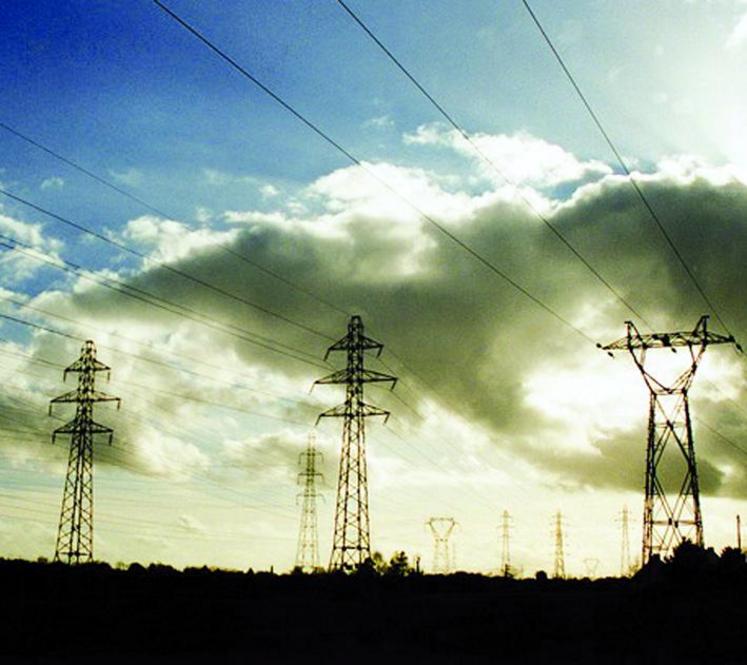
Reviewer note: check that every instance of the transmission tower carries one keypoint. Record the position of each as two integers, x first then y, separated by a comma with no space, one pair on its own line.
559,567
667,523
591,564
505,552
625,564
75,531
441,528
351,542
307,553
739,533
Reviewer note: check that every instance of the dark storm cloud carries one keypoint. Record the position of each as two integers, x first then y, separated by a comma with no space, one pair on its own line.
466,332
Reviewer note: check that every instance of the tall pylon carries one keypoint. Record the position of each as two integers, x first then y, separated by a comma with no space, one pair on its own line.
559,565
351,542
505,551
75,531
441,529
307,552
667,523
625,564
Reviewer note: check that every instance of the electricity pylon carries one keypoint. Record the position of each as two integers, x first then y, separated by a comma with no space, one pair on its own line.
625,565
739,533
75,531
441,528
351,542
307,553
505,552
559,566
591,564
667,523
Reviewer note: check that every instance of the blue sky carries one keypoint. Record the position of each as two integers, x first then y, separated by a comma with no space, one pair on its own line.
122,90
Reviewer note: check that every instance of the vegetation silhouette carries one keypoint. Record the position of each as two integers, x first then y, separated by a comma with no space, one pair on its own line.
686,609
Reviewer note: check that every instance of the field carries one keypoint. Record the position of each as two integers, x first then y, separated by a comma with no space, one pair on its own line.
690,610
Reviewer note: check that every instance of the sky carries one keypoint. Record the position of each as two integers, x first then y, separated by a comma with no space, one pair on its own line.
266,239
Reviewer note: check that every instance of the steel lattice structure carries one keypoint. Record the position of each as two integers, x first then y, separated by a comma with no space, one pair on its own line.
307,552
505,552
625,564
442,528
75,531
351,542
667,523
559,564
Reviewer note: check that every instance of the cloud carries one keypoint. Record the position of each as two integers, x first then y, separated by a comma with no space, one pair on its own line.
16,266
521,157
131,176
379,122
738,36
541,395
277,452
170,240
53,183
269,191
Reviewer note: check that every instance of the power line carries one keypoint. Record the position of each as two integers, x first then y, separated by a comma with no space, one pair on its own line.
161,303
165,266
154,361
149,206
170,393
152,208
463,133
356,161
623,165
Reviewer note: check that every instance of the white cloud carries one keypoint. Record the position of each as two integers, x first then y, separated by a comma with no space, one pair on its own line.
18,265
379,122
53,183
131,176
521,158
171,240
738,36
203,215
268,191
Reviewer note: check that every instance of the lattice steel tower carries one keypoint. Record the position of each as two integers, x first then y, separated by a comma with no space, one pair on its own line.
667,523
307,553
505,553
625,565
75,532
351,542
441,528
559,567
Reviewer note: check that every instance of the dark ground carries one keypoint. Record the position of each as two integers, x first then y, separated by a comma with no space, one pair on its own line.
690,610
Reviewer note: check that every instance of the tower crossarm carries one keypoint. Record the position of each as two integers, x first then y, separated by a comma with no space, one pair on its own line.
699,337
345,376
85,365
355,340
75,396
77,425
343,410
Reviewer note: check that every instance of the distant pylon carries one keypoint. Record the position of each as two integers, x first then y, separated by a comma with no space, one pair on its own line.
739,533
351,542
441,528
559,567
307,553
75,531
667,523
625,565
591,564
505,552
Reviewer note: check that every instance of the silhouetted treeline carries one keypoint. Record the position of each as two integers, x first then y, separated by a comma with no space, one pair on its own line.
687,610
